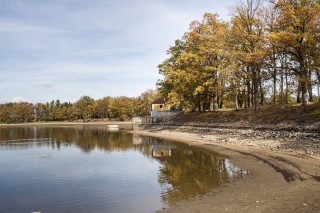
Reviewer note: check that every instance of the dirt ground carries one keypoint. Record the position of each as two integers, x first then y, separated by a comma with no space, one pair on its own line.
277,182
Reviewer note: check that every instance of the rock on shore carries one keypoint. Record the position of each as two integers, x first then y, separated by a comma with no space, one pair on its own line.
298,140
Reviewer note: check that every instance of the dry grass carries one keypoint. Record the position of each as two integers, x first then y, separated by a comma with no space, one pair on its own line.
266,114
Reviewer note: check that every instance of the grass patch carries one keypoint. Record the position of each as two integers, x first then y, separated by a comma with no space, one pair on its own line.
267,114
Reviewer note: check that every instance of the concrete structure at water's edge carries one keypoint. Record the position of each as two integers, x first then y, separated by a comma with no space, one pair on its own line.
160,111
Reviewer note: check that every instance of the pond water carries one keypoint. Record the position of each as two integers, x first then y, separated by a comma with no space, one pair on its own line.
84,169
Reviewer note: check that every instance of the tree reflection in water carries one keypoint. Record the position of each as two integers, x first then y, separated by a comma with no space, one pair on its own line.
185,171
189,171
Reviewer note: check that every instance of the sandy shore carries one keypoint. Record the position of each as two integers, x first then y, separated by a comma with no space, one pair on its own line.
280,180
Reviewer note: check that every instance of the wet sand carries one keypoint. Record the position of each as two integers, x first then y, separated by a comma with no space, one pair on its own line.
277,182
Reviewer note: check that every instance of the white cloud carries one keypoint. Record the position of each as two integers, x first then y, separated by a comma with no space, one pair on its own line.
19,99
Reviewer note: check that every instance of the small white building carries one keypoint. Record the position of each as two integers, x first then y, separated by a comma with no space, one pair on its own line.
158,105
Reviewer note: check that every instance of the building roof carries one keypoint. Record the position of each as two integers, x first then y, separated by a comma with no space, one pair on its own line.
159,101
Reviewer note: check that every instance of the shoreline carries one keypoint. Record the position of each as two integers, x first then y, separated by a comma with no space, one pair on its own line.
279,180
269,139
126,125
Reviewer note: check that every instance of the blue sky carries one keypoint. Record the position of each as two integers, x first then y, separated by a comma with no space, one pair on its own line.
63,49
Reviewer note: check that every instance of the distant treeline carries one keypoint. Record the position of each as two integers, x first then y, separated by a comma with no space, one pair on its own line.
86,108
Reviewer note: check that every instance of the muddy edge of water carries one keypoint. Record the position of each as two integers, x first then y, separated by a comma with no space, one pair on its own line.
277,181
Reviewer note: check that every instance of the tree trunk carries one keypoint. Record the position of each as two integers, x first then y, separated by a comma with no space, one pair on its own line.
222,93
221,100
261,92
310,87
214,102
281,92
248,94
304,89
204,105
252,94
245,98
274,81
287,87
236,101
211,101
299,93
318,74
318,92
240,99
310,93
198,104
255,90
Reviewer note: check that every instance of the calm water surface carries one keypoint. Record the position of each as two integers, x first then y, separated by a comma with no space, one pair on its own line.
82,169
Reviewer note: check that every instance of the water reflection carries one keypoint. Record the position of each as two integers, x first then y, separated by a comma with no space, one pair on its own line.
159,151
184,172
188,172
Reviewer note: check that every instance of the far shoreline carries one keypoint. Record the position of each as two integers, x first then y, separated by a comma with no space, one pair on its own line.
122,124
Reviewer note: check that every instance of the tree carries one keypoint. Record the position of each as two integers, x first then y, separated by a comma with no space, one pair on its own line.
39,111
143,102
5,113
83,108
62,111
101,107
21,112
122,108
174,86
297,36
248,38
195,71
